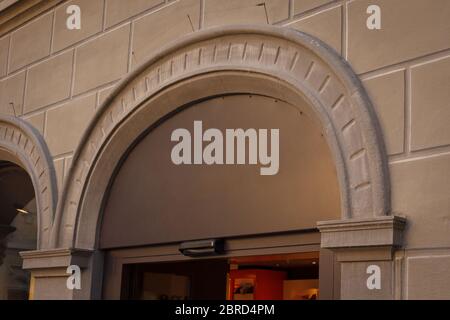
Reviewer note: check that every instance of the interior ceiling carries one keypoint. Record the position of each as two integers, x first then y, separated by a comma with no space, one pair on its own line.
16,190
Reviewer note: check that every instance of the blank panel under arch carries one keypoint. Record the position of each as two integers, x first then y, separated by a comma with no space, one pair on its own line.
151,200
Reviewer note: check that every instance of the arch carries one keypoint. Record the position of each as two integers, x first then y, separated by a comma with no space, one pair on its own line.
23,145
286,62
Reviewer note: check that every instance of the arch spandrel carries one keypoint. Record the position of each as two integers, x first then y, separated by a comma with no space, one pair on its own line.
287,58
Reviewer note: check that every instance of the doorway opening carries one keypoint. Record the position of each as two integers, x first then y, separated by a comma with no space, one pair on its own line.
266,277
18,229
168,204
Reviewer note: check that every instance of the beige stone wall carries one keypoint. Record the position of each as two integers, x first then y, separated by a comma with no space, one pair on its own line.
56,78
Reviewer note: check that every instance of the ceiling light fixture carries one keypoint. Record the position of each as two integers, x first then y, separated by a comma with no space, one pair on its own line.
21,209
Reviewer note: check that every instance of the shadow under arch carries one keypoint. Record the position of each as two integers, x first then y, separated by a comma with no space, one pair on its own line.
18,229
285,61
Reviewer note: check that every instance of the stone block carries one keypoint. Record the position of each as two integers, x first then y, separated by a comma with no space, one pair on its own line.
218,12
37,121
325,25
49,82
119,10
420,191
428,277
430,104
91,23
31,42
102,60
59,170
301,6
157,29
11,94
4,49
66,124
387,93
409,29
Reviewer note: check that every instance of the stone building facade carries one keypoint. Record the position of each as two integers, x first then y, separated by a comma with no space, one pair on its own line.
73,103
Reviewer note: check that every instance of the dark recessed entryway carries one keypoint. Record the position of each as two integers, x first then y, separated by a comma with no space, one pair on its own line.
274,277
18,229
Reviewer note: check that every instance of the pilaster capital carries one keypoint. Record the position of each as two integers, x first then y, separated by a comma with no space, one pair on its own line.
376,237
55,258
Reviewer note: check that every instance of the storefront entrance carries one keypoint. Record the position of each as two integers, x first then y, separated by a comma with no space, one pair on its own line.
258,137
249,171
285,266
273,277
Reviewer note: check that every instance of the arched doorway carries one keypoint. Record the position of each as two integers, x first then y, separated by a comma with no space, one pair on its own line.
248,170
27,201
18,222
276,63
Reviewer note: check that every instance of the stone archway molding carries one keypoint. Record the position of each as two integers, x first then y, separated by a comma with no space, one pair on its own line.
288,58
24,145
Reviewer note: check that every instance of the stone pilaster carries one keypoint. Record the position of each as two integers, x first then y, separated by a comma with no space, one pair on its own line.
49,273
365,249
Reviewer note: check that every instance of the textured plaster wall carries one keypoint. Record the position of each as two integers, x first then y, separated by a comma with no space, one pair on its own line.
56,78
